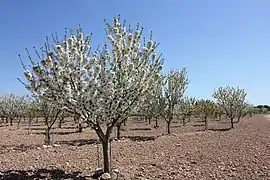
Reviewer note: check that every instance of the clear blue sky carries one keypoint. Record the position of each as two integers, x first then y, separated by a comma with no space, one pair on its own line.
221,42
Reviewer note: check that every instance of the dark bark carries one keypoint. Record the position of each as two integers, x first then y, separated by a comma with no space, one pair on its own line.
80,129
156,126
232,125
205,123
48,136
169,126
60,122
104,138
11,121
6,119
50,121
105,148
184,121
125,123
75,119
118,127
189,118
149,120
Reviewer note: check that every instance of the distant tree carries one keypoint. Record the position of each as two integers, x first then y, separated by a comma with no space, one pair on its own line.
205,108
241,111
232,101
172,92
51,114
219,111
249,110
185,108
32,110
11,106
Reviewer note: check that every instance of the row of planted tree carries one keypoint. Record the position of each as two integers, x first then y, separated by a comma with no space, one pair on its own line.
107,86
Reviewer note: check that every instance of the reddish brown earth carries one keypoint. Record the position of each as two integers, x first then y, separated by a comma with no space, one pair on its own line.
240,153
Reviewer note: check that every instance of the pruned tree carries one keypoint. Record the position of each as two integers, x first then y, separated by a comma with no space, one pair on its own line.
219,111
171,93
11,106
51,113
250,110
241,111
32,110
23,107
185,108
205,108
232,101
101,86
149,105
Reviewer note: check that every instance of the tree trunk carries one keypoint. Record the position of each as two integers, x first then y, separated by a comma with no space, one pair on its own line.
105,147
205,123
118,127
232,125
11,121
48,136
75,119
149,120
6,119
184,121
189,118
80,129
60,122
169,126
125,124
156,126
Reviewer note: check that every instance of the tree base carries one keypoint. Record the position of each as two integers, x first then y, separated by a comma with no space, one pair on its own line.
99,173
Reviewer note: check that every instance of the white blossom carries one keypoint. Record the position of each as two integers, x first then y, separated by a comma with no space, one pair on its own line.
100,86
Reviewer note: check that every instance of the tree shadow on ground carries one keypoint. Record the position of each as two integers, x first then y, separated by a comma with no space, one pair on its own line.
68,127
176,126
215,129
38,128
198,125
57,133
17,148
140,138
4,125
220,129
33,125
138,122
223,122
40,174
79,142
141,129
